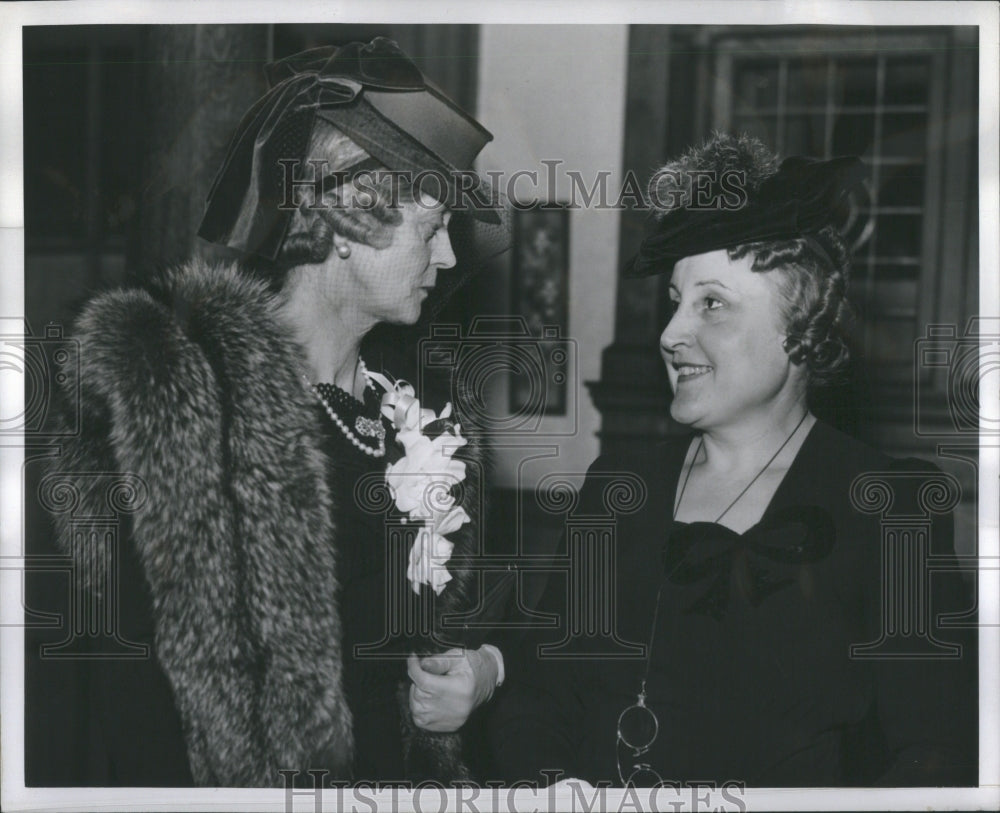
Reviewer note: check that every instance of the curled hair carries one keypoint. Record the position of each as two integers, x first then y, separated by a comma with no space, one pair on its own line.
812,283
348,211
812,270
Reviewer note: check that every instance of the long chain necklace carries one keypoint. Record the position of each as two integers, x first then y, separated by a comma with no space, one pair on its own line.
767,465
367,427
641,696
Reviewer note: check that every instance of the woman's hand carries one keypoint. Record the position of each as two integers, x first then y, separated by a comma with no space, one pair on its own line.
448,687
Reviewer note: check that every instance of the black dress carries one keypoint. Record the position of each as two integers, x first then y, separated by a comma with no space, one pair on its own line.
751,675
371,680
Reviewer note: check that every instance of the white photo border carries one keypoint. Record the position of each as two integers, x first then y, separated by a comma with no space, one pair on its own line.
487,12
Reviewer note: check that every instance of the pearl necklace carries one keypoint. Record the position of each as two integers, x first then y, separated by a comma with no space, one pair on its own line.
369,427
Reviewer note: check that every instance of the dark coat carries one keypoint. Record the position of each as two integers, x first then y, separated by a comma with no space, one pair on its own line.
752,674
196,390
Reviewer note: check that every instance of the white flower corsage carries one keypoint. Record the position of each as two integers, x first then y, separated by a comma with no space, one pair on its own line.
422,480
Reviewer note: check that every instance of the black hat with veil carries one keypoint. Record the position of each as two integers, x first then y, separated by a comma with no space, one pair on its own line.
375,95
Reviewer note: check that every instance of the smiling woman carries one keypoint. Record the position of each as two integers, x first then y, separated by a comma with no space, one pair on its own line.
733,380
722,316
751,580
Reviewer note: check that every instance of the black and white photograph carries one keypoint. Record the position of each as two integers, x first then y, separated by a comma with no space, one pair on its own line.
514,407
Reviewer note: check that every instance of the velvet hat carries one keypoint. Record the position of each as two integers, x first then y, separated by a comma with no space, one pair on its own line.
803,196
377,97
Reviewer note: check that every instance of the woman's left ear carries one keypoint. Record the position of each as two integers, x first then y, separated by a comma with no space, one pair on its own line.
798,367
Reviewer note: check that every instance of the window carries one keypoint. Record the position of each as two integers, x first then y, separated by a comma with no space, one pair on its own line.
840,94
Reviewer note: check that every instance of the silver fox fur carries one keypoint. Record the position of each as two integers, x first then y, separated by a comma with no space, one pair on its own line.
197,389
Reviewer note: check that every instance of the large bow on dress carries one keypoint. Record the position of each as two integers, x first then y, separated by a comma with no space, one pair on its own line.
729,561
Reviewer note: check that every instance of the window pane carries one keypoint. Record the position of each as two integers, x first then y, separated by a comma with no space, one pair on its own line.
761,127
896,272
853,133
904,135
890,340
756,84
898,236
804,135
806,82
906,81
854,82
901,185
895,296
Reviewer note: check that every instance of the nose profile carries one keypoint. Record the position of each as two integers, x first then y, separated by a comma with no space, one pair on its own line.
443,255
675,333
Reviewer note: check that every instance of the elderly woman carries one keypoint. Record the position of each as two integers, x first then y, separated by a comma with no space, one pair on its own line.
261,568
750,583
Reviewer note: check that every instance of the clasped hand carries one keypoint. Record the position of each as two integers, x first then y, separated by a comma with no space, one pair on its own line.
447,688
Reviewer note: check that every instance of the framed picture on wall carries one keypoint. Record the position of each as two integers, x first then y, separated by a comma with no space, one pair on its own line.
540,302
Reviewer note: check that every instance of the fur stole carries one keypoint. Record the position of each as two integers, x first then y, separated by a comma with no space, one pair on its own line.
195,389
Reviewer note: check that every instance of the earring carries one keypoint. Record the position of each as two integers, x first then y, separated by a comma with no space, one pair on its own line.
344,251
